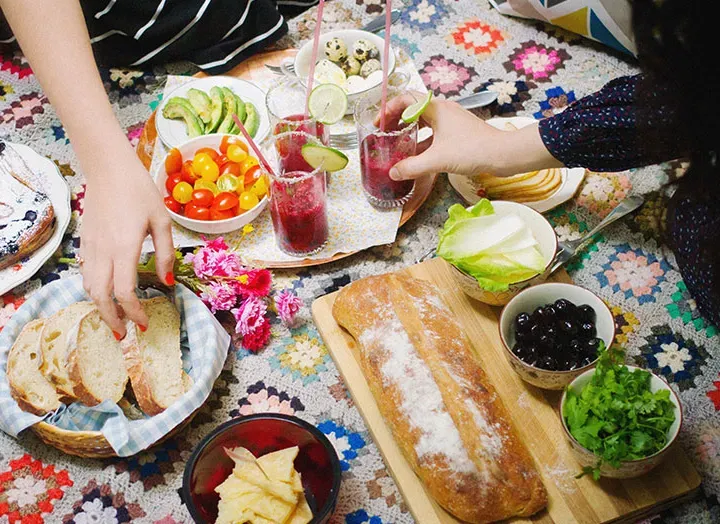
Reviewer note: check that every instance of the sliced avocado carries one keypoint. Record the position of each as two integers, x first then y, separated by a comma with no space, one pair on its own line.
241,113
230,105
178,108
252,120
201,103
217,110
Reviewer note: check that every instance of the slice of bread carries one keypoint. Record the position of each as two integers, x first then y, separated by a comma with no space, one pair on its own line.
153,358
95,362
54,345
28,386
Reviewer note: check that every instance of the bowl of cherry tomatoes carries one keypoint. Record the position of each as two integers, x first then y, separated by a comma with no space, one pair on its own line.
213,184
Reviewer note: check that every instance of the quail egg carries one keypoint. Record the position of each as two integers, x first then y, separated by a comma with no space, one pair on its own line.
351,66
336,50
326,72
356,84
362,49
370,67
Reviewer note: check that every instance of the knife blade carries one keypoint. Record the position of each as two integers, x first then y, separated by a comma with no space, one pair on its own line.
378,23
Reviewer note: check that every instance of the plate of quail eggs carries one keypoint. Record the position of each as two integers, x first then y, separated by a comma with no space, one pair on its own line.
349,58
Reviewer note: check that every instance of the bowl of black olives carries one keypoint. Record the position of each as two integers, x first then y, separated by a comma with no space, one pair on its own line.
552,333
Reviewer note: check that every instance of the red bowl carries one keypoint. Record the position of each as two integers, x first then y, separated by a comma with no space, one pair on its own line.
209,465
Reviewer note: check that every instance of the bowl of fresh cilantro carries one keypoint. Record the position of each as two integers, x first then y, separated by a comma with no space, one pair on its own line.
621,420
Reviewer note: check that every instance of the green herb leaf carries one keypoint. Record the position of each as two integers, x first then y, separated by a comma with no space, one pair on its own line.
616,416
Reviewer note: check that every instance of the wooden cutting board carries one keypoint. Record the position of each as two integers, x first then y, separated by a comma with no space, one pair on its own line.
536,418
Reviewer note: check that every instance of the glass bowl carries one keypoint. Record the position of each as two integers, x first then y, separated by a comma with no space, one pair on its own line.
209,465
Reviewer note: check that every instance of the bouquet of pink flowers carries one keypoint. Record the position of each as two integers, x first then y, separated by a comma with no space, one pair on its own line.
217,273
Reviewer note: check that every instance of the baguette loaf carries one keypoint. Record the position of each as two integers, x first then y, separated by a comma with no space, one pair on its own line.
54,345
95,362
28,386
443,412
153,358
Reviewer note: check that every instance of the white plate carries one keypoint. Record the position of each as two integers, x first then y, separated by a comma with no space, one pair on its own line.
571,178
59,192
173,133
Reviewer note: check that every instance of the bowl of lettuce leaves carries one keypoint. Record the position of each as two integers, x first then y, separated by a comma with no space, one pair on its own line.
497,249
621,421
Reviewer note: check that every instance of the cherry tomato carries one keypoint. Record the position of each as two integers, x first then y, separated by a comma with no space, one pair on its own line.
201,159
221,161
202,197
247,164
227,141
259,188
205,184
196,212
231,183
225,200
251,175
209,171
173,161
231,168
182,192
210,152
172,181
217,214
235,153
173,205
188,173
248,200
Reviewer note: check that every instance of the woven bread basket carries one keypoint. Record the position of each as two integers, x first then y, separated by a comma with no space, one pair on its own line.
89,444
92,444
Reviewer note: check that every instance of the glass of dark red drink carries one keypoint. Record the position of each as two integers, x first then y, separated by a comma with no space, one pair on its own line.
380,150
286,106
298,197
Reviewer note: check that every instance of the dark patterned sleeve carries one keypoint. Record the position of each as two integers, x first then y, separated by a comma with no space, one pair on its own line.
615,129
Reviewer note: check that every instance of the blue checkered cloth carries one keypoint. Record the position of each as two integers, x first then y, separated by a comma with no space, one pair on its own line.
205,345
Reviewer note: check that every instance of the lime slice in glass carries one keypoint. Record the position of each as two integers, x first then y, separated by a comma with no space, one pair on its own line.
328,103
412,113
327,158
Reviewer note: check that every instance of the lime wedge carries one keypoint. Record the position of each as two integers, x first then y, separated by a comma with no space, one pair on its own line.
326,157
412,113
328,103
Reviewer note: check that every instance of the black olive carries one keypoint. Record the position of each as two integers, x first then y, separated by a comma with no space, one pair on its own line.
522,337
575,347
563,307
522,323
550,312
566,364
545,343
538,315
536,332
587,330
586,313
30,216
530,355
551,332
587,361
547,362
593,345
569,328
518,350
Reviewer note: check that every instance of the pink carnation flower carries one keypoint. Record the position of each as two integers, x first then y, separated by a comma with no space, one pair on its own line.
254,282
250,315
288,304
220,296
218,244
210,263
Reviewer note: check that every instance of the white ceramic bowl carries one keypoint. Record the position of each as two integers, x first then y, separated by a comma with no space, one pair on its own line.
544,234
631,468
349,36
525,302
211,227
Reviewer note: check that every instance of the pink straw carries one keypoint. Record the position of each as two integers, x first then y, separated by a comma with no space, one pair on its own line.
252,143
386,60
313,58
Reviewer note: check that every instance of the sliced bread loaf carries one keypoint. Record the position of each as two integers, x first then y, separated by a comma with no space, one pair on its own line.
95,361
153,358
28,386
54,345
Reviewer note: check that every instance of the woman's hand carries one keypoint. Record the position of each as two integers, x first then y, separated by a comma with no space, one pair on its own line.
121,206
464,144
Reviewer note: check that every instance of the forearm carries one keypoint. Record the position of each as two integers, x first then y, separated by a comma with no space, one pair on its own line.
56,43
520,151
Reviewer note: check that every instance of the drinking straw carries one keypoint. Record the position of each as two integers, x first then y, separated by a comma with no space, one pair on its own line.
386,60
313,58
252,143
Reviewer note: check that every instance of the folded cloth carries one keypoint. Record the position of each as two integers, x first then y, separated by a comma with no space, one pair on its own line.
204,345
